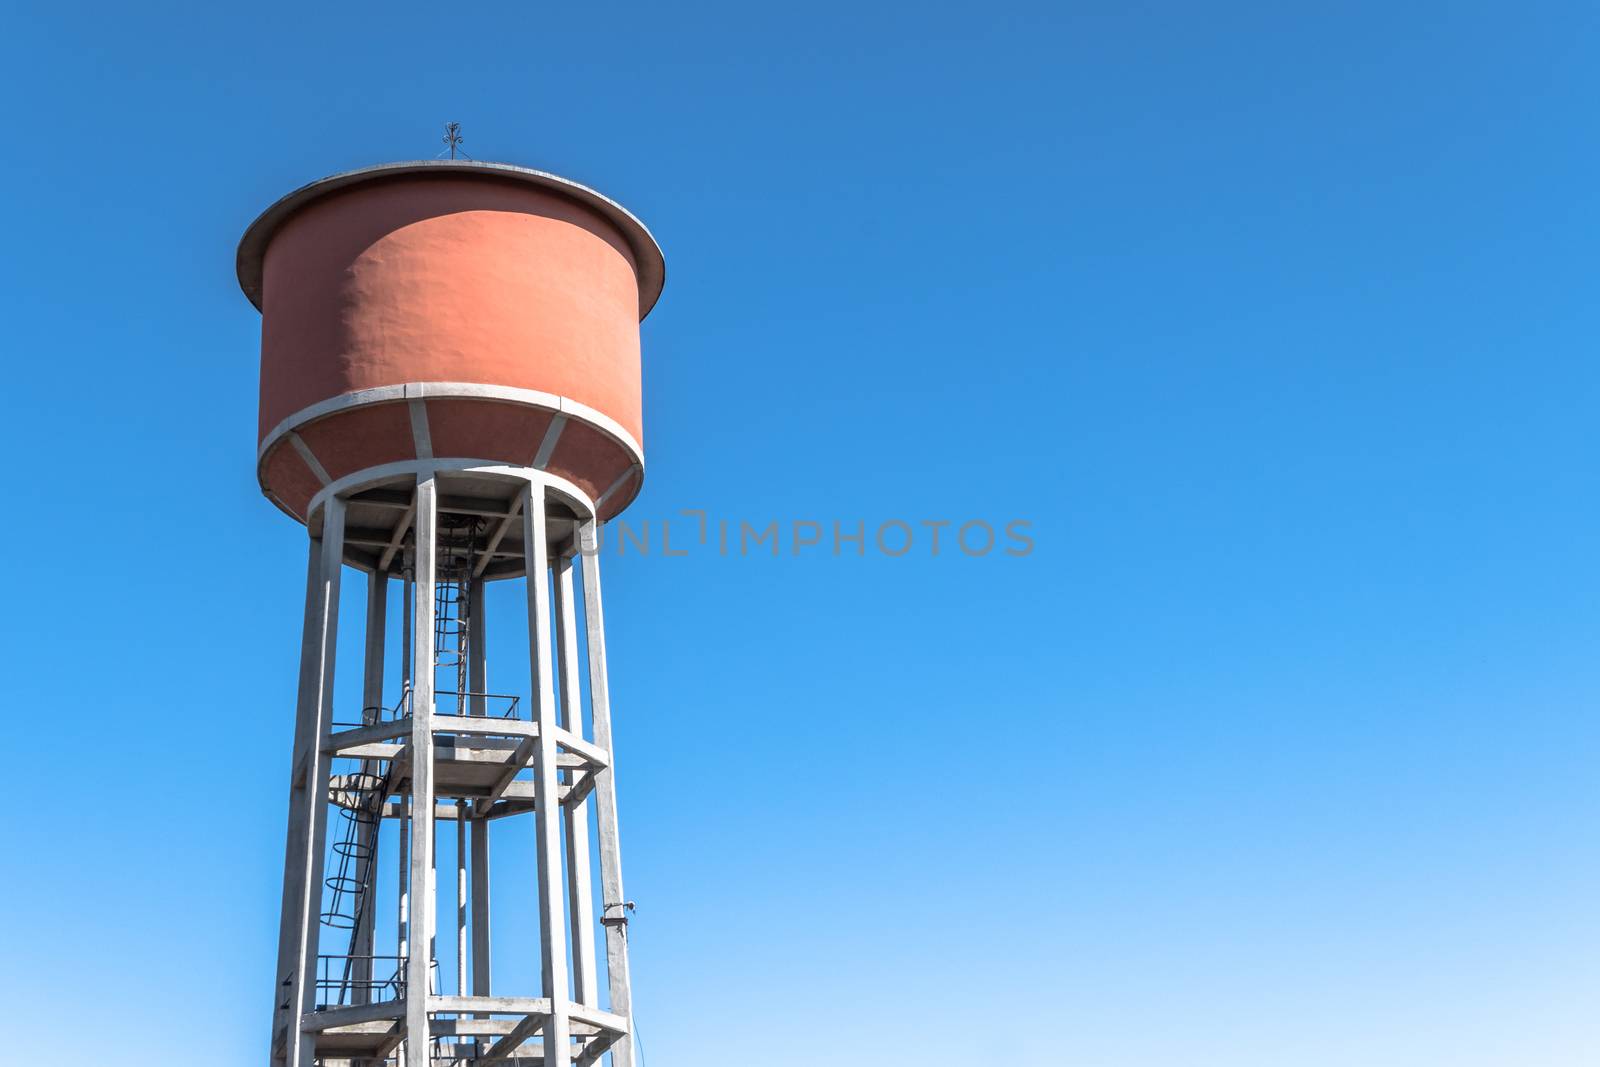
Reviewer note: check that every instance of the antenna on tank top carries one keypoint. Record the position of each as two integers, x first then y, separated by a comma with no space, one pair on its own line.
453,139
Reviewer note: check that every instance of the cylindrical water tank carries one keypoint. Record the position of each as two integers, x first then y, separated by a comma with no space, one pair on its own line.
455,310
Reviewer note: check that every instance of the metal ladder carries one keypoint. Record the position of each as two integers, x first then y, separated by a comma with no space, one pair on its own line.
353,795
452,627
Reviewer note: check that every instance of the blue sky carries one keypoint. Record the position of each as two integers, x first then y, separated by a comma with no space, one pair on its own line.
1275,322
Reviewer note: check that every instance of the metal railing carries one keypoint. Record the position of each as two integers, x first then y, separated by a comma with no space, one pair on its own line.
371,716
345,980
495,705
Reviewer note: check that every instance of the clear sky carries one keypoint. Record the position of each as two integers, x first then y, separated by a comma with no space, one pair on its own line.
1276,323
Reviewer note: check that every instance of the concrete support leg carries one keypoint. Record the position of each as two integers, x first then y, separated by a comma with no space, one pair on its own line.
367,841
295,833
308,804
423,913
461,898
614,912
402,851
480,908
478,678
580,890
477,651
547,787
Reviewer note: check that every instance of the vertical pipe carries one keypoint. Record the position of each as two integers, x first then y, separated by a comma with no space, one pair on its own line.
420,934
367,836
614,913
318,764
547,787
580,892
372,666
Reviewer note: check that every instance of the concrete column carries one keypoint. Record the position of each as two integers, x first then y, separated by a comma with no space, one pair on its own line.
614,914
408,624
477,652
430,900
580,891
423,913
480,908
402,880
402,851
478,677
461,898
295,833
372,705
312,766
547,787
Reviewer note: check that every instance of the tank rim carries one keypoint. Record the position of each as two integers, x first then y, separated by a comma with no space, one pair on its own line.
258,235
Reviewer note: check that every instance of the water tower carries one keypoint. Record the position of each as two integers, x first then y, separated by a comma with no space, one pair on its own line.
450,400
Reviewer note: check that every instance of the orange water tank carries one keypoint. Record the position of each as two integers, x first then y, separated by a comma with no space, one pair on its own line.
455,310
